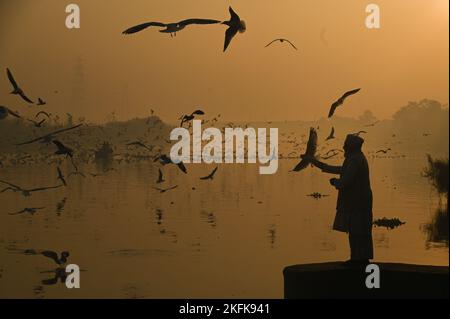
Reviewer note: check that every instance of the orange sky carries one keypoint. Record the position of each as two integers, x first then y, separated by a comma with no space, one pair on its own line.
405,60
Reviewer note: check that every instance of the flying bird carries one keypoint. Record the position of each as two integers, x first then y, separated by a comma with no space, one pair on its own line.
42,113
60,205
235,25
171,28
48,137
62,149
37,124
50,254
4,112
331,136
16,89
23,191
164,160
54,256
160,177
187,118
163,190
211,175
29,210
311,148
61,176
341,100
281,40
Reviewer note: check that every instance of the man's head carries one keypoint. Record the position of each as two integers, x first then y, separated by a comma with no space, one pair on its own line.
352,144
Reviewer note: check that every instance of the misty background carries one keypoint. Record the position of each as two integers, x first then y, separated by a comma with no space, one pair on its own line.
95,71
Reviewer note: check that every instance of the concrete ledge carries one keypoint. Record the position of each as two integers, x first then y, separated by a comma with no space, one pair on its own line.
331,280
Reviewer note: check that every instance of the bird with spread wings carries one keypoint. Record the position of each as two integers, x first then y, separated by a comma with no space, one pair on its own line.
16,88
235,25
281,40
310,152
48,137
340,101
5,112
23,191
171,28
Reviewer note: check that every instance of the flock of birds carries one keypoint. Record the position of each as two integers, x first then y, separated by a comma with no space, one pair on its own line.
235,25
63,150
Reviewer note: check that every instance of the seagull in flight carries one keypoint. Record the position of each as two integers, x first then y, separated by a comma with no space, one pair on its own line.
160,177
61,176
187,118
23,191
171,28
29,210
235,25
4,112
331,136
41,102
16,89
341,100
54,256
48,137
281,40
310,152
42,113
211,175
163,190
50,254
37,124
164,160
62,149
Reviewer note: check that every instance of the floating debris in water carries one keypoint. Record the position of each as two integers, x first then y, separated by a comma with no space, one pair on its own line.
389,223
317,195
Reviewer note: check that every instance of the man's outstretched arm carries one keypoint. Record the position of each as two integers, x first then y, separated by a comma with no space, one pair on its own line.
347,177
327,168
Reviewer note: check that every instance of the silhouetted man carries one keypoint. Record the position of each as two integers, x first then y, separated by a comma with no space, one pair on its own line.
354,203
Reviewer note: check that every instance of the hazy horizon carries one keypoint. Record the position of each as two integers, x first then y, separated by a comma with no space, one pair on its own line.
97,70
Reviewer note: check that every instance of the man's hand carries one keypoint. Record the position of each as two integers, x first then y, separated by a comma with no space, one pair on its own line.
333,181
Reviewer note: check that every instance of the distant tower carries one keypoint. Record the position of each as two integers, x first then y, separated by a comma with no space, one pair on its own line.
78,101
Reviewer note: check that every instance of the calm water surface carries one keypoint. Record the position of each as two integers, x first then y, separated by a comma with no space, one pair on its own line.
230,237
